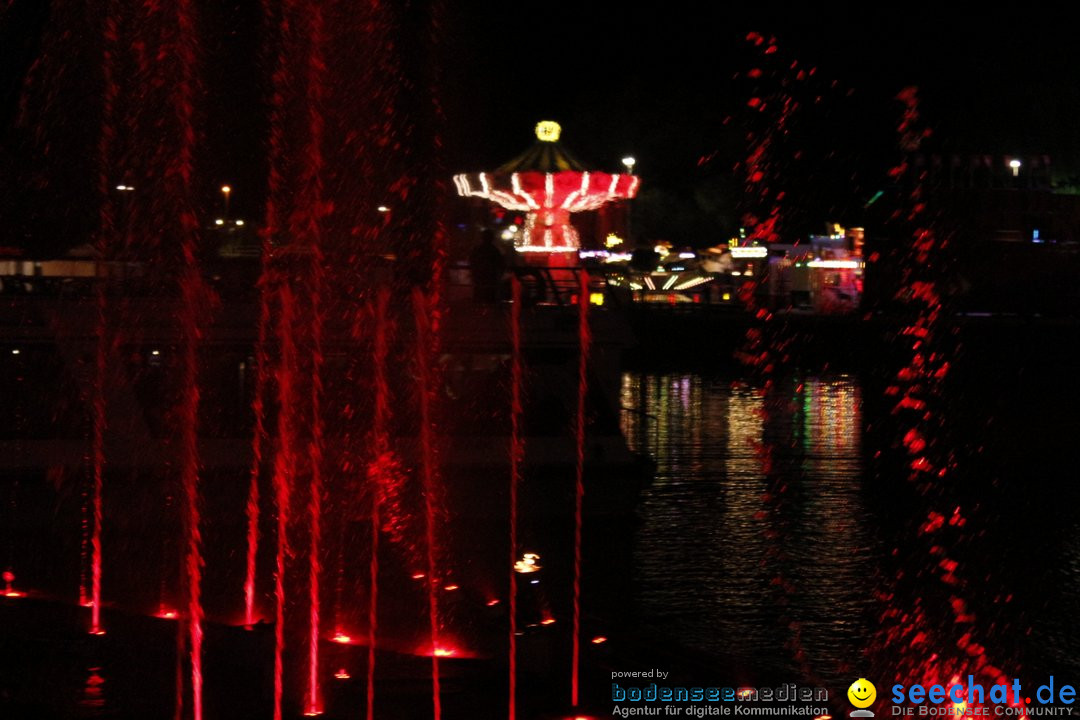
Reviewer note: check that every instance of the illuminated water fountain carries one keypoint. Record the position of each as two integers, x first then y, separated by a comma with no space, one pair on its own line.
290,435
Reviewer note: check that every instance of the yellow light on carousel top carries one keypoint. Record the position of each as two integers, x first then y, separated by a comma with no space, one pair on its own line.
548,131
613,240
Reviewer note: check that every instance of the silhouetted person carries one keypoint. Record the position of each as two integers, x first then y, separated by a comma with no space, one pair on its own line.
486,264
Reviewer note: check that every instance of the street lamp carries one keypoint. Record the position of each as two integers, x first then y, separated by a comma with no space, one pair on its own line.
629,161
1015,165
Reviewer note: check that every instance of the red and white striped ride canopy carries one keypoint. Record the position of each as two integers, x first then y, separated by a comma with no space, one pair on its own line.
548,184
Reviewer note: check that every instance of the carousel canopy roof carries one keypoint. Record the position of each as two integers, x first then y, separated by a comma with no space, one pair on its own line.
547,177
547,155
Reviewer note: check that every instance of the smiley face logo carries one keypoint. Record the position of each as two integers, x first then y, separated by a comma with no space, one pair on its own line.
862,693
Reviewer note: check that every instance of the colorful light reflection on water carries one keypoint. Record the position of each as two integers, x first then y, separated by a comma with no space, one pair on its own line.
853,523
708,574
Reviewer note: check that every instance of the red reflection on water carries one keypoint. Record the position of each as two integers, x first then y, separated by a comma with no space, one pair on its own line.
93,695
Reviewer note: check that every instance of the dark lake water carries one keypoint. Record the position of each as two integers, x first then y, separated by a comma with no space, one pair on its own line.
783,538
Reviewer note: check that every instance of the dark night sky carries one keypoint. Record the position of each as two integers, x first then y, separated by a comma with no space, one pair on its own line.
659,81
622,77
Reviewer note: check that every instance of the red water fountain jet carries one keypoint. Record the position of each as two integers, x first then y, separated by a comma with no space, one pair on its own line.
85,521
189,411
339,580
98,455
258,407
376,474
178,187
314,564
98,460
268,287
105,241
517,455
584,342
284,465
309,234
424,346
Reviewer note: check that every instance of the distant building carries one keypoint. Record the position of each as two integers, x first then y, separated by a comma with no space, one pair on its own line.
1013,242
